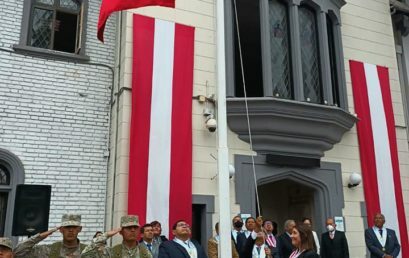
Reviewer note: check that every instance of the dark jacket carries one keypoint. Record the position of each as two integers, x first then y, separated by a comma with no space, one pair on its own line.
392,246
171,249
285,247
308,254
334,248
241,241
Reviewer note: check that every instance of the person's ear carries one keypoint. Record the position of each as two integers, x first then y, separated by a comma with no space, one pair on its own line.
80,229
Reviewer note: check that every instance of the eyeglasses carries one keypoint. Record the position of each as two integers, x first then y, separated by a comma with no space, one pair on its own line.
183,225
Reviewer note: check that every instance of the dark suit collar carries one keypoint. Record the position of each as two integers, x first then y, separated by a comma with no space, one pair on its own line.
181,249
372,232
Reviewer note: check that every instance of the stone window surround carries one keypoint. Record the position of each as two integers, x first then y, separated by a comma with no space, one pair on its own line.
292,127
322,8
16,169
23,47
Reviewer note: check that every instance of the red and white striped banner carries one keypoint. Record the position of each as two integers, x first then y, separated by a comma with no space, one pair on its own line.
160,165
378,147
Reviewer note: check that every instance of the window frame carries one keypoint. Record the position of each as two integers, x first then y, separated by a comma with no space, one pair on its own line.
25,32
322,9
16,169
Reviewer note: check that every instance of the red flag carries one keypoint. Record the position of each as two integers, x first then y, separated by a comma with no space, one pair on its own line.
378,147
160,158
110,6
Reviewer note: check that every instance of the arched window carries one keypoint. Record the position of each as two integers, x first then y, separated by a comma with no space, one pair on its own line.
309,55
11,174
4,193
280,50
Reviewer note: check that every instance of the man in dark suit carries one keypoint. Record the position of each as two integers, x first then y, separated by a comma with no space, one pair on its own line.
381,241
285,247
242,238
334,243
237,232
181,246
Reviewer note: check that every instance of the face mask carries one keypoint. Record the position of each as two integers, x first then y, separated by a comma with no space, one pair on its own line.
330,228
238,224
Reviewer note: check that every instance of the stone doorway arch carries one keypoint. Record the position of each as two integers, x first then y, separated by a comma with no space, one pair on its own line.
325,183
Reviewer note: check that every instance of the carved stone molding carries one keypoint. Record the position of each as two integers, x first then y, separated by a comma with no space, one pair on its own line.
287,127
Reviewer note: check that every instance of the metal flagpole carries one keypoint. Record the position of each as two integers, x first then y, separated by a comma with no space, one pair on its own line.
225,250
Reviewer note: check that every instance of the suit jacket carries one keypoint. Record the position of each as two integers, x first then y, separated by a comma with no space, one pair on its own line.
155,248
241,241
247,250
212,250
392,246
309,254
285,247
334,248
171,249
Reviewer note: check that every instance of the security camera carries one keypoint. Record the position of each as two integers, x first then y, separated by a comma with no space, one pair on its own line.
232,171
211,124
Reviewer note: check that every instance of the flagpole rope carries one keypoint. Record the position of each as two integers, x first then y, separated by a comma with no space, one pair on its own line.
246,104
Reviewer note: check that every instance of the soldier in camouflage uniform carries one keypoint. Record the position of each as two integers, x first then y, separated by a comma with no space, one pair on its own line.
129,248
6,248
69,247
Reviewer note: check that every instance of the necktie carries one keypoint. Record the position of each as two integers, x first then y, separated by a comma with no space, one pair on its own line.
331,234
380,232
258,250
149,247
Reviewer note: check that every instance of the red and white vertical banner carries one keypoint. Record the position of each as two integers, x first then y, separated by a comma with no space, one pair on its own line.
378,147
160,165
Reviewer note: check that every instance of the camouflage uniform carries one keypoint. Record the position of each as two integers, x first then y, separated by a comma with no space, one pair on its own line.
97,248
28,248
6,242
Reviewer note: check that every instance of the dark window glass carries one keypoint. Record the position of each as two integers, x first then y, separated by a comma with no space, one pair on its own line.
280,51
248,13
333,62
310,55
57,28
65,32
4,176
3,211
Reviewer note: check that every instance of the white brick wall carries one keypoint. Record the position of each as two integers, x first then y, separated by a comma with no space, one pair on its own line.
54,115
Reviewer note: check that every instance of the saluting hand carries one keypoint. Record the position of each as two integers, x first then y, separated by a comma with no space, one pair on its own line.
113,232
48,233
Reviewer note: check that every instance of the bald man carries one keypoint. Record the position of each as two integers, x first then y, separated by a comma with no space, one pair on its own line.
381,241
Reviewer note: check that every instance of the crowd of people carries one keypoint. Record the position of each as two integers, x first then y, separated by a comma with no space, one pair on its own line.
258,240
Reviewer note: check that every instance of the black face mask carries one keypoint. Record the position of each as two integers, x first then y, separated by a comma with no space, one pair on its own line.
238,224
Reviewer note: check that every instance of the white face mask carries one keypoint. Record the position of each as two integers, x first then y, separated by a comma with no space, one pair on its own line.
330,228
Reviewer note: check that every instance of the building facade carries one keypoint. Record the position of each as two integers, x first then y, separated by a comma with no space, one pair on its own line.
300,105
55,98
65,107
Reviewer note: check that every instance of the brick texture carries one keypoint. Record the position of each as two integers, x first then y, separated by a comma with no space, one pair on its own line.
54,115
